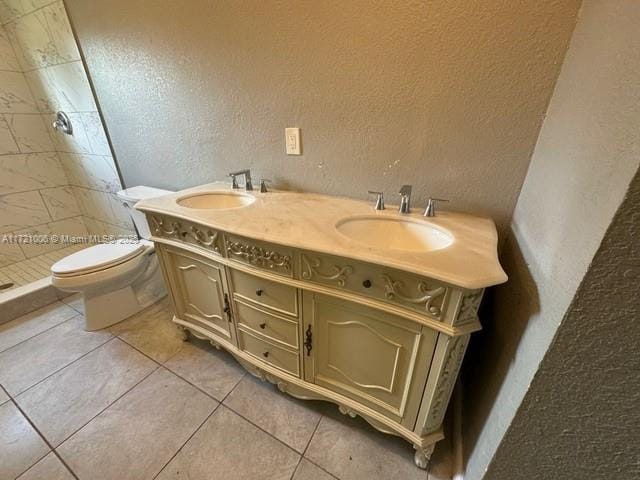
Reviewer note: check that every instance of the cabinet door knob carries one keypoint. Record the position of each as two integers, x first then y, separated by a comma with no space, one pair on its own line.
266,354
259,292
366,284
263,326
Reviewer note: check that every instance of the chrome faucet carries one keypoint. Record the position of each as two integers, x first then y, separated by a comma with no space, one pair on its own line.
405,199
430,210
379,205
247,179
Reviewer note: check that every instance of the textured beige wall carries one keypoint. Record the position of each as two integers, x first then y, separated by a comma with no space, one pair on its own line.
587,153
448,96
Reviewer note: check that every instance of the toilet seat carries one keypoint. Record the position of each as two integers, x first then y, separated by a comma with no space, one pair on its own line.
98,258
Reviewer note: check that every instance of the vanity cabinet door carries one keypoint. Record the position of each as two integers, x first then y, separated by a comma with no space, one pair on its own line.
378,359
197,285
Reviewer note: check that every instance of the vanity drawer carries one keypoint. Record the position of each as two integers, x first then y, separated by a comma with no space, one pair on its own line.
423,295
275,328
278,297
274,258
269,352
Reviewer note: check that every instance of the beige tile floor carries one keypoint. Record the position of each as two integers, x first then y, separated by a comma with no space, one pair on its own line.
136,402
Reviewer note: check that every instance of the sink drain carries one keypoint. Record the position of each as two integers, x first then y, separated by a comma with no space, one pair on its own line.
5,286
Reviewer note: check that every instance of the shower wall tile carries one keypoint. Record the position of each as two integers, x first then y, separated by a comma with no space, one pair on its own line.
12,9
88,135
96,227
8,144
61,202
32,171
73,190
61,87
43,38
30,133
15,96
8,59
95,133
20,210
103,206
60,32
95,172
70,227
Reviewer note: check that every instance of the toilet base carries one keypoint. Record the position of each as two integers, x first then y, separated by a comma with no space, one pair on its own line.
102,311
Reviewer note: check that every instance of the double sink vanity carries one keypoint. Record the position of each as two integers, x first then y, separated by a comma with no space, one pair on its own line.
330,299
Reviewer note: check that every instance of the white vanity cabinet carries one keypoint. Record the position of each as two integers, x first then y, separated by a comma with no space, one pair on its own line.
380,343
197,286
375,358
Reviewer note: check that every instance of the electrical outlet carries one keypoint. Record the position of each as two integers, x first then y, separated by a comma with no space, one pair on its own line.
292,139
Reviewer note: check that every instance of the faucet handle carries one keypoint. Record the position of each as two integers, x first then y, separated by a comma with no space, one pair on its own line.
405,199
263,185
430,210
234,180
379,205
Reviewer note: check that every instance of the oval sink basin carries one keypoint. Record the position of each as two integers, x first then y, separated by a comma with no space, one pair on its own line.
395,234
216,200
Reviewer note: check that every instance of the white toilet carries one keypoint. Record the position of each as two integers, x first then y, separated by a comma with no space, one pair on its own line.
116,280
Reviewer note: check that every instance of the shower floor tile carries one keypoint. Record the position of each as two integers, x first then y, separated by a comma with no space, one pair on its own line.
32,269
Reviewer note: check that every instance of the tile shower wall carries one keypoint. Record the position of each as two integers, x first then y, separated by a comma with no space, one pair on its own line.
50,182
35,194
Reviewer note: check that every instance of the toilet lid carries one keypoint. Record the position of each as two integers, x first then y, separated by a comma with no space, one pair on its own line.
97,257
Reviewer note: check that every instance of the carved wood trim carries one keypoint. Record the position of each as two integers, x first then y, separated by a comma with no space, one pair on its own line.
311,268
469,308
393,291
446,382
347,411
258,256
206,238
160,228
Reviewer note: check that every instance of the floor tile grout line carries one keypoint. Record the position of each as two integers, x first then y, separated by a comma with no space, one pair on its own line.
263,430
196,386
205,420
9,397
71,306
44,439
64,366
220,403
187,441
227,406
76,313
111,404
163,364
307,448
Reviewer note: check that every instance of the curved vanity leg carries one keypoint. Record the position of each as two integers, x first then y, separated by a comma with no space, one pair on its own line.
423,455
185,333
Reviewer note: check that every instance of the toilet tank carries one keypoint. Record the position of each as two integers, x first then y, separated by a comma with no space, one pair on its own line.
130,196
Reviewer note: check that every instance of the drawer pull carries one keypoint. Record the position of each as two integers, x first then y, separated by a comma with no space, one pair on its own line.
308,342
366,284
259,292
227,308
266,354
263,326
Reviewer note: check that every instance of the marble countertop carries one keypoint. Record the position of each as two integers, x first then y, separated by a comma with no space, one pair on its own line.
307,221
